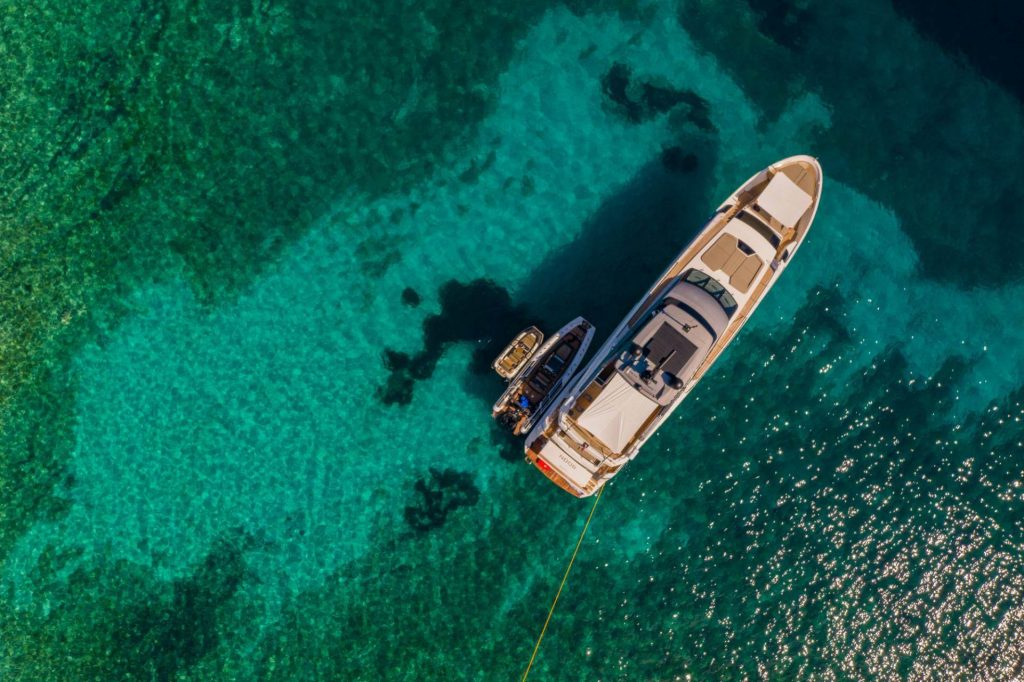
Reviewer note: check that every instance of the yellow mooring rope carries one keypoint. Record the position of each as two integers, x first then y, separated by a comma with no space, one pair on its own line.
565,577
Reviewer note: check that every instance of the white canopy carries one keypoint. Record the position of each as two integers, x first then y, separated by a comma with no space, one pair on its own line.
617,413
783,200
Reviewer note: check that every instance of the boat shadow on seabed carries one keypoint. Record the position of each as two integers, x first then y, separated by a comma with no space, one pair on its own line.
598,275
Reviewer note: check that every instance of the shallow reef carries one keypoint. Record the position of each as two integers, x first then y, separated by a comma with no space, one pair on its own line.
159,139
116,621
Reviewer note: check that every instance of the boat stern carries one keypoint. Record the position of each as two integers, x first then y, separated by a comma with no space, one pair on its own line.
559,461
545,468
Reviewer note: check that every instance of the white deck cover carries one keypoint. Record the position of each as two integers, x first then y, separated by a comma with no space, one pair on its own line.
617,413
783,200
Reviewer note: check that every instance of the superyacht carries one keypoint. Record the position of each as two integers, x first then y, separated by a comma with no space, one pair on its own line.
673,335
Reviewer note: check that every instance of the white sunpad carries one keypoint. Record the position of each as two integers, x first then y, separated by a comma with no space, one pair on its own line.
617,414
784,201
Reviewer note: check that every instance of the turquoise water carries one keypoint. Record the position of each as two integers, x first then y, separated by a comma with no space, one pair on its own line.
257,260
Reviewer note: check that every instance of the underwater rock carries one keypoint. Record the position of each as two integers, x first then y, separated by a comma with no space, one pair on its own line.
177,635
441,493
411,297
398,388
639,100
678,161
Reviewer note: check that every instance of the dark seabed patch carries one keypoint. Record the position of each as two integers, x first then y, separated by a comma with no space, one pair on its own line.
641,99
38,437
509,447
786,23
439,494
479,311
678,160
411,297
117,622
987,33
376,254
472,174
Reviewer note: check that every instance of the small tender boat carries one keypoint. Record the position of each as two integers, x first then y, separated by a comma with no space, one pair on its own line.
673,335
518,353
543,376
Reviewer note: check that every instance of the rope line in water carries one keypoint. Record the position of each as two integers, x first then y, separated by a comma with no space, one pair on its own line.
565,577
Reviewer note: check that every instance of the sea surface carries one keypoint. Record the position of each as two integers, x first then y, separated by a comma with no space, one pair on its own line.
256,257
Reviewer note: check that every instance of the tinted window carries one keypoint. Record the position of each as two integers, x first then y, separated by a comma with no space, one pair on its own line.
713,287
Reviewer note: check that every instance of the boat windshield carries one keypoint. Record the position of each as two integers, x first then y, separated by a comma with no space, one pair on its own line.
711,285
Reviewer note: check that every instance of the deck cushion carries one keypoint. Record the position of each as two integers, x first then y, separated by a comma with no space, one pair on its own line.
744,275
784,200
720,251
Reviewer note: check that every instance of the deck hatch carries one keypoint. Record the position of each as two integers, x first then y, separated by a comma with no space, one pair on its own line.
669,349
